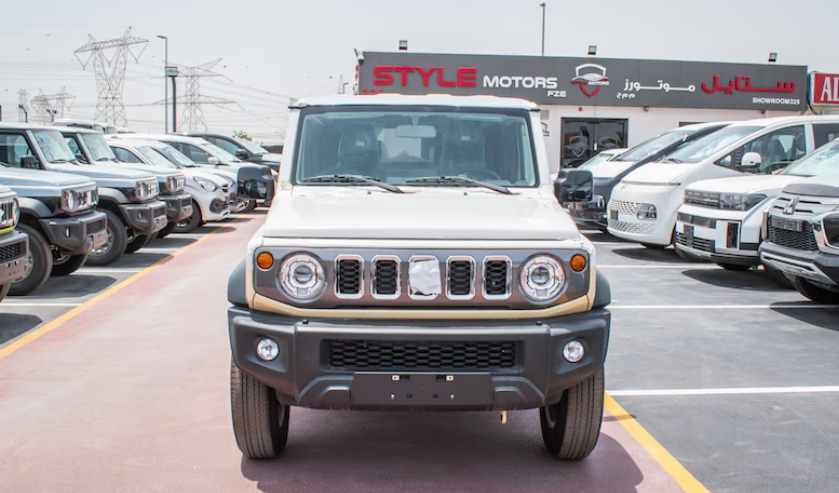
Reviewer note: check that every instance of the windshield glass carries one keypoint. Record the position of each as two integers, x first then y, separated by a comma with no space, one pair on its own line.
653,145
220,153
822,161
398,144
250,146
155,157
711,144
98,147
600,158
177,156
54,146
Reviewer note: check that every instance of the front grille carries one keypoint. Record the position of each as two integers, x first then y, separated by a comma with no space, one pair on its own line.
461,277
640,228
704,199
700,244
704,222
11,252
355,355
349,277
588,214
386,277
497,277
630,208
798,240
96,227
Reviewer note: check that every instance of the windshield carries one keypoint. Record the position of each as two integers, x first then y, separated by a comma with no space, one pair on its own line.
155,157
711,144
600,158
822,161
177,156
398,144
654,145
250,146
98,147
220,153
54,146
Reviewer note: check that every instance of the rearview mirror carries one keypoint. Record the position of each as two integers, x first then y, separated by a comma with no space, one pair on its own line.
574,185
416,131
750,160
212,160
242,154
30,162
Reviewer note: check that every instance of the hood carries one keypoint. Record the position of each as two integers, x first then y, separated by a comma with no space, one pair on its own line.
658,173
104,176
419,214
746,184
206,174
610,169
156,171
17,177
271,157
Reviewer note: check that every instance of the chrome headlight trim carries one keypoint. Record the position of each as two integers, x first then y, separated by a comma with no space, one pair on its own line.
533,269
295,268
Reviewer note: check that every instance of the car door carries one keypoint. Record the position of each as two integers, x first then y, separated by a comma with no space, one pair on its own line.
13,148
777,149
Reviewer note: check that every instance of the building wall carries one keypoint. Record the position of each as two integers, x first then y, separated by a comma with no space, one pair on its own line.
641,125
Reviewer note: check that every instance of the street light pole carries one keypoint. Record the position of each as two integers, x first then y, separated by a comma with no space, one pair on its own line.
165,85
543,27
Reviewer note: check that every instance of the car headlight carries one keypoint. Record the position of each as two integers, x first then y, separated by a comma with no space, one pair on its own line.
740,201
542,278
302,277
174,184
16,212
9,213
146,190
70,201
830,225
646,211
205,184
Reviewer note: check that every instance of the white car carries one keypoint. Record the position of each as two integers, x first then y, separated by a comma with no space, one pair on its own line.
644,204
602,157
723,220
210,192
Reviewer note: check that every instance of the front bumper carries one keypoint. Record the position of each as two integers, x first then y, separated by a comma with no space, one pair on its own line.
77,235
426,365
590,214
178,207
14,247
237,205
815,266
145,219
720,239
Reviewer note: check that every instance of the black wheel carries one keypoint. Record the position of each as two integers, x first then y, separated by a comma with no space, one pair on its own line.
65,266
114,247
734,267
570,428
4,290
250,207
260,422
189,224
38,263
654,247
138,242
778,277
167,230
814,292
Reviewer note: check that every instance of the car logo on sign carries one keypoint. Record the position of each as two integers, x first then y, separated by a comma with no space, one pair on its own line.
590,74
790,208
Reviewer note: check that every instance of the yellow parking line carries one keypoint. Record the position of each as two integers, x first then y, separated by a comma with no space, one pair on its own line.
50,326
669,463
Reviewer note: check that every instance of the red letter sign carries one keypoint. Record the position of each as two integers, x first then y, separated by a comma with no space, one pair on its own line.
383,76
466,76
825,89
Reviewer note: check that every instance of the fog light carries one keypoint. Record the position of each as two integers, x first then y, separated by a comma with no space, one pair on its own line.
267,349
573,351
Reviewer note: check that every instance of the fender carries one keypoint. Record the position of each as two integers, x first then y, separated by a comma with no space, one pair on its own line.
34,207
602,293
112,194
236,286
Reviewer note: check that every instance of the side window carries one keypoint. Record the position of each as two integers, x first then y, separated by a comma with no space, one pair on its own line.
126,156
13,148
74,146
195,153
825,132
776,149
225,144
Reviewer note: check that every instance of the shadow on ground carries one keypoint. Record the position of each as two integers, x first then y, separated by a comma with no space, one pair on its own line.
13,325
750,280
73,286
649,255
826,318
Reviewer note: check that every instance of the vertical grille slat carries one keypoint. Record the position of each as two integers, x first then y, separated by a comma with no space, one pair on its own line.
386,277
348,275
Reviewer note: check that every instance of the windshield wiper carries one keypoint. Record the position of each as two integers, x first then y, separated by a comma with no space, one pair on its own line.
460,179
369,180
671,160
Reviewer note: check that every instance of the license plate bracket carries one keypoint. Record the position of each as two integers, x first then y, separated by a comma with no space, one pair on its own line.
787,224
421,389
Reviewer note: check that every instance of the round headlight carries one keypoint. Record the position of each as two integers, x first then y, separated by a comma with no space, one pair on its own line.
542,278
70,200
302,277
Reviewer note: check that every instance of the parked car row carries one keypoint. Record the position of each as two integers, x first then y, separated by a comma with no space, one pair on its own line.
739,194
78,197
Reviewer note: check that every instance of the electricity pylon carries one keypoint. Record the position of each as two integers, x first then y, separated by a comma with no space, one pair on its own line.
47,107
192,118
109,63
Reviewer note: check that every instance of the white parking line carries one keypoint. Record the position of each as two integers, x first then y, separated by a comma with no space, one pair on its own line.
105,270
778,306
747,390
159,250
660,266
610,243
29,305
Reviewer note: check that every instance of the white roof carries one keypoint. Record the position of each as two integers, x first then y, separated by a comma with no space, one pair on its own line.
75,120
133,143
427,100
28,126
782,120
158,137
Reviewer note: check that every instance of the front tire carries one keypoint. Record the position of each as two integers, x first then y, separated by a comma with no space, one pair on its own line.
167,230
814,292
189,224
571,427
260,421
68,265
138,242
114,247
250,207
39,263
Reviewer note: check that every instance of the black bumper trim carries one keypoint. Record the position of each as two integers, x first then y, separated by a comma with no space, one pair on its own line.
178,207
12,268
145,219
71,234
301,376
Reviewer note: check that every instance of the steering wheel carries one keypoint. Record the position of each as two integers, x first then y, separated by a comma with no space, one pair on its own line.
488,173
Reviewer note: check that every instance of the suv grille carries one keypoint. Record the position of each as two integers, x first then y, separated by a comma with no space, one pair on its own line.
349,277
496,277
798,240
700,244
96,226
461,277
386,277
11,252
432,355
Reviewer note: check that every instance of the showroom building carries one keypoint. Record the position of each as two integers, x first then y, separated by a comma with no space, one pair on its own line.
590,104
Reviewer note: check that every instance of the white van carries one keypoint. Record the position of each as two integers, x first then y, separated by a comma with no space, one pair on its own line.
644,204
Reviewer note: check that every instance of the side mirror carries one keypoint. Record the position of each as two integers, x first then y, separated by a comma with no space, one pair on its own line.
574,185
212,160
242,154
30,162
750,160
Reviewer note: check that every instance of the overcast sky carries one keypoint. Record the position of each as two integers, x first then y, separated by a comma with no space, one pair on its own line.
272,50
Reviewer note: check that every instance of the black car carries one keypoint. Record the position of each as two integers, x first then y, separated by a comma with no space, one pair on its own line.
244,150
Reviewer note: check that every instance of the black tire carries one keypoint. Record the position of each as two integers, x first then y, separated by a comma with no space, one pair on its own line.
571,427
260,422
138,242
68,265
115,247
4,290
189,224
814,292
778,277
167,230
39,263
734,267
653,247
250,207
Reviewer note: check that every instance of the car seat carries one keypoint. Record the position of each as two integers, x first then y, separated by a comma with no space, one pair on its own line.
358,151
